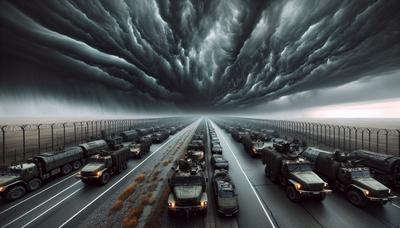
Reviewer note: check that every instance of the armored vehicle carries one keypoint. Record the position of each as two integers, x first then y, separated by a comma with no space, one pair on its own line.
284,166
225,193
139,149
102,166
188,190
352,179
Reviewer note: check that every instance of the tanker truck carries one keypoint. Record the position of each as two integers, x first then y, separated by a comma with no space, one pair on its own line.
284,166
101,166
30,175
385,168
352,179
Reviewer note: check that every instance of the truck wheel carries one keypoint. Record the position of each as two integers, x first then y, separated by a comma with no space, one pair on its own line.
15,192
34,184
76,165
120,168
292,193
125,165
66,169
267,171
356,198
105,178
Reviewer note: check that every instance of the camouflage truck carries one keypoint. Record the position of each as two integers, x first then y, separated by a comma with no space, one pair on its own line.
131,135
160,136
253,147
385,168
286,167
101,166
352,179
187,189
30,175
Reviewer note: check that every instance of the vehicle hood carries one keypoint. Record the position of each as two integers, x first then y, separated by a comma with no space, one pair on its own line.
8,179
307,177
227,203
371,184
93,167
188,192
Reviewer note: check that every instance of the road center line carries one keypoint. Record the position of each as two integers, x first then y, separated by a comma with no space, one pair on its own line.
248,180
108,189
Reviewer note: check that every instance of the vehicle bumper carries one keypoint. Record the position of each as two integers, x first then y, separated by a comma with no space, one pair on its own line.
380,199
178,209
87,177
229,212
314,193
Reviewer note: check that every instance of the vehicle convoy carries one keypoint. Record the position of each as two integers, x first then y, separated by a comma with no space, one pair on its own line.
219,162
101,166
188,189
140,148
225,193
131,135
385,168
295,173
29,176
160,136
352,179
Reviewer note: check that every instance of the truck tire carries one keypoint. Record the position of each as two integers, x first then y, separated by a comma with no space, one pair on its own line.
120,168
125,165
34,184
105,178
267,171
292,193
76,165
356,197
66,169
14,193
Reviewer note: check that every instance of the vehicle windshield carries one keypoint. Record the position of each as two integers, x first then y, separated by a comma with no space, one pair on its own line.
182,181
226,194
298,167
16,170
360,174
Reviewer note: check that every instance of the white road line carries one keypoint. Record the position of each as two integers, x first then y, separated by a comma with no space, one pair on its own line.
19,217
396,205
248,180
108,189
55,205
38,193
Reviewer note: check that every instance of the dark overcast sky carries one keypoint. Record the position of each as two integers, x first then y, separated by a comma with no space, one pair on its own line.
196,55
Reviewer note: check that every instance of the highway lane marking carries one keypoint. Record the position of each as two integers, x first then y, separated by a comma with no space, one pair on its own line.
19,217
396,205
108,189
248,180
55,205
19,203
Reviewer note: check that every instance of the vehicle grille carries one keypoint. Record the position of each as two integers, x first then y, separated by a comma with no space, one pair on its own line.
316,187
86,174
382,194
187,202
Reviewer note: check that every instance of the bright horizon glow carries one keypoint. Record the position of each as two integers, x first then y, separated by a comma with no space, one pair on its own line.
381,109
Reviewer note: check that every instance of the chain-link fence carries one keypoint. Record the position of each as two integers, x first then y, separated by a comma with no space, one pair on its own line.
330,136
20,142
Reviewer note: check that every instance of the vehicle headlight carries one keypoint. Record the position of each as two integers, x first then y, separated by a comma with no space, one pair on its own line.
2,189
297,186
171,204
389,190
203,203
325,184
98,173
366,192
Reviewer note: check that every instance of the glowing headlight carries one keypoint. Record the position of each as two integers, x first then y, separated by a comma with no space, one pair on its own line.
98,173
297,186
366,192
203,204
1,189
325,184
171,204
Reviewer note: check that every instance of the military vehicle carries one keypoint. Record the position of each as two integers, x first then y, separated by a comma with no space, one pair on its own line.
115,143
225,193
216,149
219,163
343,175
188,189
284,166
385,168
131,135
101,166
30,175
253,148
160,136
139,149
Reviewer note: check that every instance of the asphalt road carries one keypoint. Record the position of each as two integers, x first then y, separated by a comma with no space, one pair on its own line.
335,211
65,201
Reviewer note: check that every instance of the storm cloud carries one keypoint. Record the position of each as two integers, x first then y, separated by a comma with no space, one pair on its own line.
193,55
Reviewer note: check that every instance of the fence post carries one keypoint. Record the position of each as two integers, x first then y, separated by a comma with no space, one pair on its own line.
377,140
387,140
355,138
38,128
3,131
64,132
349,138
369,139
23,141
